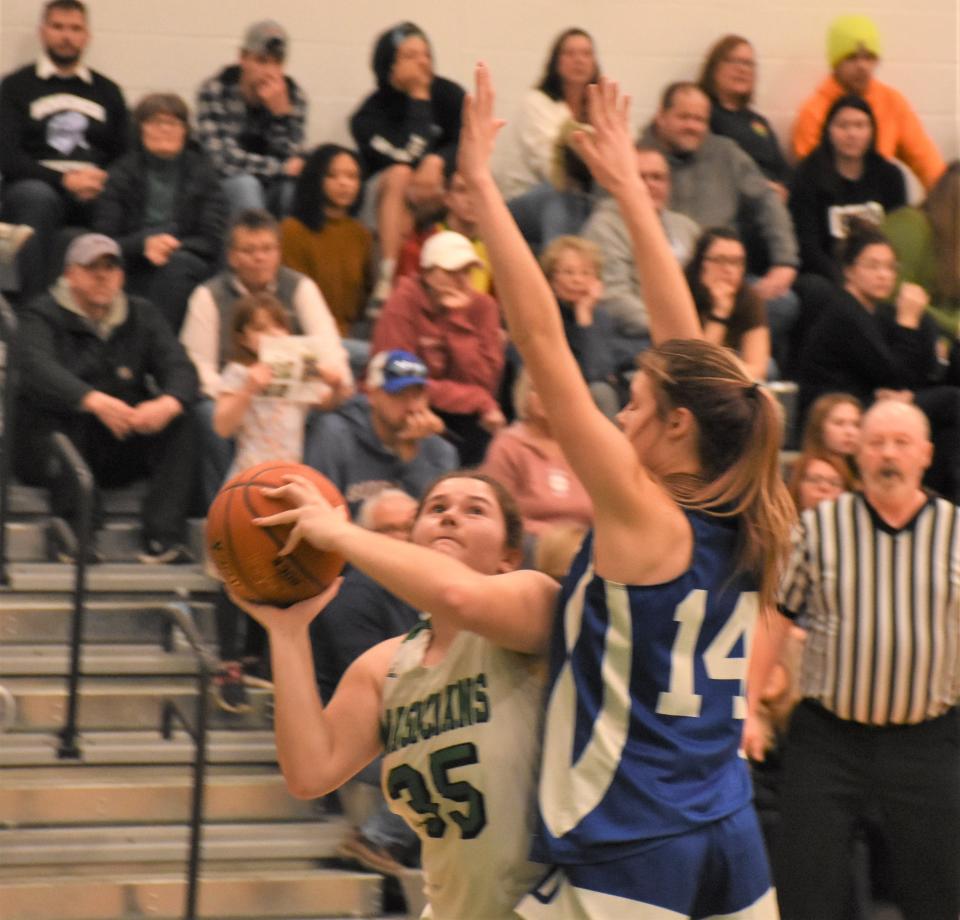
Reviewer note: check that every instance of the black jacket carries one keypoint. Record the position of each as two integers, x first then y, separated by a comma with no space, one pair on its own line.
200,213
62,359
391,128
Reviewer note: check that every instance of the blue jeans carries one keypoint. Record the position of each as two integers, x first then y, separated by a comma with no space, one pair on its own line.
244,192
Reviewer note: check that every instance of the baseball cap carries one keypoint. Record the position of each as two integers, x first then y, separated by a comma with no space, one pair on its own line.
448,250
266,37
89,247
393,371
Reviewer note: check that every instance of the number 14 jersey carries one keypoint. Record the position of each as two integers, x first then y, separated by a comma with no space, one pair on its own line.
461,743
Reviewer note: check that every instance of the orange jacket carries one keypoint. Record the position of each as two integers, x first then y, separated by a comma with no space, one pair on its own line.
899,132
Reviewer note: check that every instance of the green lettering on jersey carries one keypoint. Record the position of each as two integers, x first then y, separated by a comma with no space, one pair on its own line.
481,712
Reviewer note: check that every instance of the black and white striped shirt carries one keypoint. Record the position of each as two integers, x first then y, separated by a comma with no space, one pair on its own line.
882,610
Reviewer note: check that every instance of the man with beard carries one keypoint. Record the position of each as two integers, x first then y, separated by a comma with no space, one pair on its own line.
63,125
875,580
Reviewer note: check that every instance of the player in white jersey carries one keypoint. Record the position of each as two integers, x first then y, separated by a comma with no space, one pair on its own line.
644,804
455,707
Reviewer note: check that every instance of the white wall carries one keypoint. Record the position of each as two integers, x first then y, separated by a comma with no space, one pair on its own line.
175,44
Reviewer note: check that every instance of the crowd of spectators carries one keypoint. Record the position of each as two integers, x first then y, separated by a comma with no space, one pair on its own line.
153,252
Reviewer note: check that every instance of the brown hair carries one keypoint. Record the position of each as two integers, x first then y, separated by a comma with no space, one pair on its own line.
550,83
161,104
244,310
582,247
812,439
715,57
799,470
942,208
740,428
68,6
512,519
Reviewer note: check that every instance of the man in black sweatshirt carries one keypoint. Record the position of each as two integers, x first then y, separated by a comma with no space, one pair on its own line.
63,124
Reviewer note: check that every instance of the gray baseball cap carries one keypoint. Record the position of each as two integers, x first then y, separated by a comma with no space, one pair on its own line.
266,37
89,247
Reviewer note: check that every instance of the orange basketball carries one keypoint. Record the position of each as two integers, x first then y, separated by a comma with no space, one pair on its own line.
247,555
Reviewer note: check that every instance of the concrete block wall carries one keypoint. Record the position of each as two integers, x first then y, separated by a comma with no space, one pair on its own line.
175,44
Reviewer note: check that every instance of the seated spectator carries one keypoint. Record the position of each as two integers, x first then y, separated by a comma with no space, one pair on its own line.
250,120
163,205
853,50
832,430
730,312
729,77
456,331
386,438
523,158
622,295
926,240
843,178
560,206
323,239
818,478
253,260
527,459
106,370
407,133
718,185
572,266
63,125
458,217
867,346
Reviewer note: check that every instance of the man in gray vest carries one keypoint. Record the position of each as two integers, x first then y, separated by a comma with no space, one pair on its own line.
253,260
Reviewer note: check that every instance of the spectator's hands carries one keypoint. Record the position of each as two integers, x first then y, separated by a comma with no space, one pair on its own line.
292,620
272,92
608,149
85,183
113,413
492,420
159,247
259,377
912,302
425,189
293,167
723,295
312,517
419,424
479,130
451,289
584,307
154,415
776,282
904,396
339,390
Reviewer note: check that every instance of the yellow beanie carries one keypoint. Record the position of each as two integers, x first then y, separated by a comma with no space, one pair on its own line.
848,34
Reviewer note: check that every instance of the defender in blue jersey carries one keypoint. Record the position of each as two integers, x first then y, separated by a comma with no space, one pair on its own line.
644,803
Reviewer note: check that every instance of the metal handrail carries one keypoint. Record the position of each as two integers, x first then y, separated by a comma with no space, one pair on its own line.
8,352
180,614
64,452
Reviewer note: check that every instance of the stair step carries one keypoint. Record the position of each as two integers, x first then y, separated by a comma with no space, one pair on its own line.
120,659
139,747
34,618
72,795
169,843
262,894
113,577
40,704
31,500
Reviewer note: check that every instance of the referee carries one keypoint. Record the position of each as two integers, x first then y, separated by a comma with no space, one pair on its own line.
875,742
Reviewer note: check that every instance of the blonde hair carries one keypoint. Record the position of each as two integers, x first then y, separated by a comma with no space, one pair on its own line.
586,249
740,429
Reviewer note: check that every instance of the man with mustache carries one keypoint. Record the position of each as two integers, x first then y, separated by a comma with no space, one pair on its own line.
63,125
872,746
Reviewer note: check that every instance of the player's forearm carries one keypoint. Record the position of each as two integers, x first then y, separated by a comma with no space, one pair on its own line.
767,649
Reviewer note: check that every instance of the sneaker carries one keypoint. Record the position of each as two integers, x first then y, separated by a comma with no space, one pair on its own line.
229,689
160,552
62,546
369,854
12,238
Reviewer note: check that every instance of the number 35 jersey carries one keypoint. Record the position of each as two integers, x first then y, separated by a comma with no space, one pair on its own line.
646,701
461,742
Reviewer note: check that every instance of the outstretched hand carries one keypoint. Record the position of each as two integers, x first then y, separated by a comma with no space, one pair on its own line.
312,517
607,148
479,128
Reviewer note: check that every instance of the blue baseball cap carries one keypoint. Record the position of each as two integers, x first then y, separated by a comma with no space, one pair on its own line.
393,371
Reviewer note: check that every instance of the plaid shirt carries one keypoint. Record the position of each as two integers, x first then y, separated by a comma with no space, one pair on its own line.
241,138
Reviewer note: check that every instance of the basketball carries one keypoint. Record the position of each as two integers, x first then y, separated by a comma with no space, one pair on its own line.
247,555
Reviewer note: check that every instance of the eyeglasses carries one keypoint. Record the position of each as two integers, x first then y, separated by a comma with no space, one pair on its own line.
813,479
727,261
